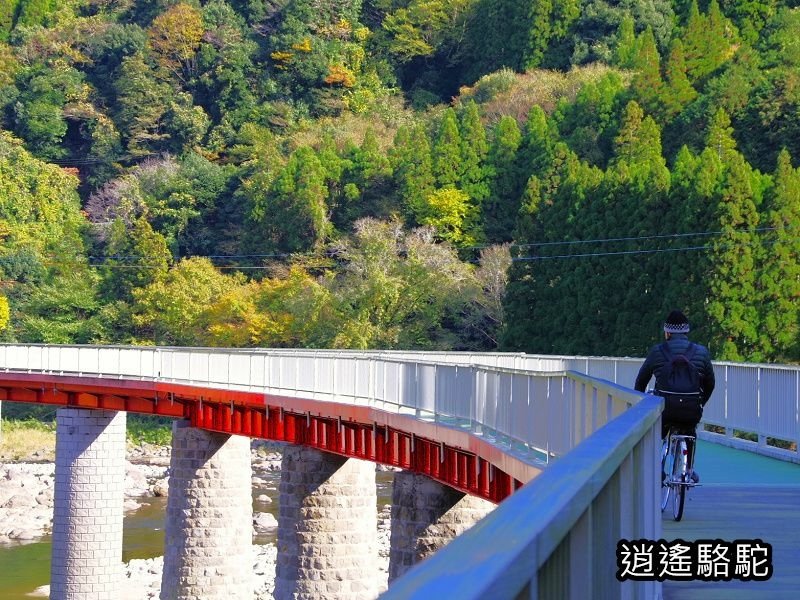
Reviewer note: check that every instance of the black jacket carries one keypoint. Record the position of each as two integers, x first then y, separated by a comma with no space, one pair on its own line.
678,344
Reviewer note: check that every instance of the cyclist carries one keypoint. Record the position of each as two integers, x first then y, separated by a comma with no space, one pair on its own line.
684,377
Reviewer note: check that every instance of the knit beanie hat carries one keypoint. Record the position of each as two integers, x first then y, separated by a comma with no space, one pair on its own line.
676,323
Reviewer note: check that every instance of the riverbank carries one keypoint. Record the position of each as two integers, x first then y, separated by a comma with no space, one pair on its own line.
26,509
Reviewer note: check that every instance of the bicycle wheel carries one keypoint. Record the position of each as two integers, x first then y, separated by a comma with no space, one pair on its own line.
665,476
679,476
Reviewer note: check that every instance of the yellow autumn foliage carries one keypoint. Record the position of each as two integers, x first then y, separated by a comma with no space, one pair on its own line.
303,46
340,75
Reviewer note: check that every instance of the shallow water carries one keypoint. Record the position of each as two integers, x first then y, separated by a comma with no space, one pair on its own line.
24,567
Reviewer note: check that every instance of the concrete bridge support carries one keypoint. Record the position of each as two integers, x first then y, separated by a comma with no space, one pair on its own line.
327,527
209,521
89,492
426,515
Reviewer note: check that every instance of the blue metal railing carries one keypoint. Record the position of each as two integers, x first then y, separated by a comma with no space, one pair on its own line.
555,538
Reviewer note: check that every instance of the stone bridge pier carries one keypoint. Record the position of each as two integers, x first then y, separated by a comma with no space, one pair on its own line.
426,515
87,516
208,546
327,523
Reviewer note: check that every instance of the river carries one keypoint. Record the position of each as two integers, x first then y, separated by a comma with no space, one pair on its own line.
24,567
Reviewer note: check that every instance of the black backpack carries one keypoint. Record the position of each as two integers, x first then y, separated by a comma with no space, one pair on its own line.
679,375
679,383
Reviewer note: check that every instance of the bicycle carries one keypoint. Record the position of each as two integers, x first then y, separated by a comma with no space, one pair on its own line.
675,471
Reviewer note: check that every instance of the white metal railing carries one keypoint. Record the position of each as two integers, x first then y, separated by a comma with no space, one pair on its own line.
540,414
754,407
756,401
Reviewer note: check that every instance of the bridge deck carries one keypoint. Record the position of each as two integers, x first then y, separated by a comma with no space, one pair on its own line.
743,496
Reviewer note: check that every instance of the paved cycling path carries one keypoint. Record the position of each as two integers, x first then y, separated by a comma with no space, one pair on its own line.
743,496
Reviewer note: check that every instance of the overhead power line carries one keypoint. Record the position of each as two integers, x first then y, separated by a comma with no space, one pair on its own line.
640,238
704,247
112,262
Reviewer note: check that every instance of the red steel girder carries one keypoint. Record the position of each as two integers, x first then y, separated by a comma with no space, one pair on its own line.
342,429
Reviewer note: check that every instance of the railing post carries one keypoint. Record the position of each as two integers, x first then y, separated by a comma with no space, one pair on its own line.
473,405
762,439
728,429
796,409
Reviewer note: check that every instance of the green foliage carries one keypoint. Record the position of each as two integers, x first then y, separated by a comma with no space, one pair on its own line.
772,98
474,149
225,67
238,129
501,208
647,84
8,14
142,102
61,310
601,28
779,275
446,151
53,294
292,215
733,307
749,16
34,12
708,39
39,205
137,256
317,52
366,173
413,167
679,92
588,124
447,210
175,36
146,429
399,290
39,111
168,310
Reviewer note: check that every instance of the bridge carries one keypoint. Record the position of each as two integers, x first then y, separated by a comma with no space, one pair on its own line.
568,451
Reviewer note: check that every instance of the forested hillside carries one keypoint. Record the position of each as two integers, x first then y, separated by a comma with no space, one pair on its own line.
541,175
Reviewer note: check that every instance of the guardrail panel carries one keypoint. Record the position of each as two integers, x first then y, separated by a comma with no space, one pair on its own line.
560,415
218,367
505,385
345,378
627,370
426,388
742,399
541,405
258,370
69,360
392,383
715,411
490,391
408,377
239,369
363,368
182,363
520,411
605,369
33,357
89,360
778,403
323,373
447,390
